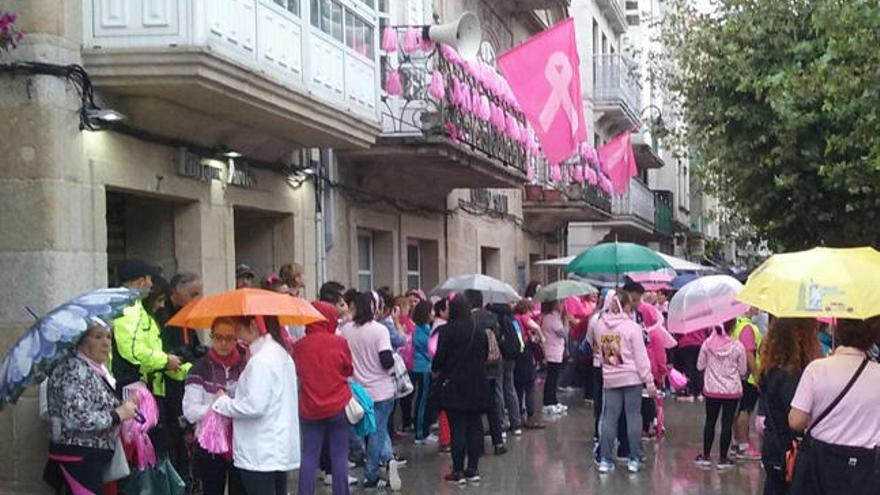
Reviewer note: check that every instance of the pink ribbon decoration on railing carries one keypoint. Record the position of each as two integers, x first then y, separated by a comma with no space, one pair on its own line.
428,45
590,176
555,173
530,173
392,84
485,108
389,40
512,128
577,174
450,54
134,434
412,40
466,102
437,88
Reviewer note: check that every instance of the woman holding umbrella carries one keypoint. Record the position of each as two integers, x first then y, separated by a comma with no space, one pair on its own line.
84,415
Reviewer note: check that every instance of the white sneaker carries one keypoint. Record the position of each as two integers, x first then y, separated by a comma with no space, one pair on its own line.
393,475
634,466
328,479
550,410
605,467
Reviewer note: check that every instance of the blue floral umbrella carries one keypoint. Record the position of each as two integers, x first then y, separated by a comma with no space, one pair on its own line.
32,358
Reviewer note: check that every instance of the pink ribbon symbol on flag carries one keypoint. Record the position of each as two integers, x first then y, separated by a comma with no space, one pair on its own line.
558,73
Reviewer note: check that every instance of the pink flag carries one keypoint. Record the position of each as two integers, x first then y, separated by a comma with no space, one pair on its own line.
618,161
544,74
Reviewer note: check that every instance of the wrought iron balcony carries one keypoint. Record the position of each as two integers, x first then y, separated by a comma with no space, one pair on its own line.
636,204
527,5
431,143
617,95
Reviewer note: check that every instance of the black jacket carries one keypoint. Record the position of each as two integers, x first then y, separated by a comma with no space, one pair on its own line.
777,390
461,363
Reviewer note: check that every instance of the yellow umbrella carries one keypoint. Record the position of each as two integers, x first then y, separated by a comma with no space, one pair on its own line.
830,282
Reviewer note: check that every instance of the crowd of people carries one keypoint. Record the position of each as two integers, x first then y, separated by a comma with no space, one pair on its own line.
287,389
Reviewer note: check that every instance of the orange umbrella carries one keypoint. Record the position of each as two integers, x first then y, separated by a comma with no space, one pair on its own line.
246,302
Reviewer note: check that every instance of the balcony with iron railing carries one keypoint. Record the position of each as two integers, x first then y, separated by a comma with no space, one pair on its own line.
526,5
637,205
556,204
447,124
617,94
266,75
615,12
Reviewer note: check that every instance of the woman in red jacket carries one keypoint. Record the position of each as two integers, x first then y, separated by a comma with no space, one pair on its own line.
323,365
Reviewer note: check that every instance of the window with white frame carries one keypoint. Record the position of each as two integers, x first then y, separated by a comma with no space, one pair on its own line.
358,34
413,265
291,6
327,16
365,261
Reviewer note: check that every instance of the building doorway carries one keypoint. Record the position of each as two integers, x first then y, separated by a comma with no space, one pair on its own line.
140,227
263,240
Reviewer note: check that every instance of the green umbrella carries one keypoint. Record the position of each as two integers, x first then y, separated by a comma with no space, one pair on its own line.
563,289
617,258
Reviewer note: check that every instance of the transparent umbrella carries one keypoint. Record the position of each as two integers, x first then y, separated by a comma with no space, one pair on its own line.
494,290
704,303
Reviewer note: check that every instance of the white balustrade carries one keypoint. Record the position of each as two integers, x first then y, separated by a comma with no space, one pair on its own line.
638,201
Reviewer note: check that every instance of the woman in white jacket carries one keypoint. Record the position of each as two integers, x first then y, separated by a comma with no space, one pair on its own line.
265,410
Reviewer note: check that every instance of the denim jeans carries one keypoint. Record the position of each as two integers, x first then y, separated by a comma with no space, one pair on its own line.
379,442
626,400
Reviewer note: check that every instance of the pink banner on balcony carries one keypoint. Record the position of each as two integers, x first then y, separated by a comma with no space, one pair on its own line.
617,159
550,99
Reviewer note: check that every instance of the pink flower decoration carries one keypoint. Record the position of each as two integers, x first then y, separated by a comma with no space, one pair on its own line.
437,89
389,40
392,84
411,40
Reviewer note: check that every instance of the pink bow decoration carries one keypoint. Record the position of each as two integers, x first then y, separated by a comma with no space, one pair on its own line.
428,45
590,176
512,129
578,174
466,104
450,54
437,88
214,433
134,434
485,109
411,40
555,173
475,101
389,40
392,84
605,184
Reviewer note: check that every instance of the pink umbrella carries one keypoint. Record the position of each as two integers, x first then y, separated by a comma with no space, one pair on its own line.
654,280
704,303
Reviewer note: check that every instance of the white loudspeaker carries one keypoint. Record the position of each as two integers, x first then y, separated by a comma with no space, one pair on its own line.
463,34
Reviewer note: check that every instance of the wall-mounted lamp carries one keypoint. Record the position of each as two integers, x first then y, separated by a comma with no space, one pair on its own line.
231,154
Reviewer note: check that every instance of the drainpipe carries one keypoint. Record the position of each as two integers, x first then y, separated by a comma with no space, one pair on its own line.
320,251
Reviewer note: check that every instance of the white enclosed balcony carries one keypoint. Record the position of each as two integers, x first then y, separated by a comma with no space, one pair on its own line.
615,12
636,205
290,72
617,93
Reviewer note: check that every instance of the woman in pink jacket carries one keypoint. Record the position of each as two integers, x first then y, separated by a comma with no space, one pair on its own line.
626,370
723,360
553,328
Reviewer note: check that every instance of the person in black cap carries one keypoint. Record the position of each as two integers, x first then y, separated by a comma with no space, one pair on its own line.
244,276
635,291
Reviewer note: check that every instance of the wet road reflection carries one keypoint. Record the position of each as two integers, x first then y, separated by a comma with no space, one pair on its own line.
559,460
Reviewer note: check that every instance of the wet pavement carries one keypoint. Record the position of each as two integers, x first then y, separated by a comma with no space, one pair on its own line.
559,460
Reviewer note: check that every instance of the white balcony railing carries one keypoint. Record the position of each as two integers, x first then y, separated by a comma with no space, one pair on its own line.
274,38
616,85
615,13
637,202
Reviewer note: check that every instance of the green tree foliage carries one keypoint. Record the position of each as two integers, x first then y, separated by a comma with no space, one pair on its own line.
782,103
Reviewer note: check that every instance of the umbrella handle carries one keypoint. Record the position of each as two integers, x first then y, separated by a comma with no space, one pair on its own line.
32,313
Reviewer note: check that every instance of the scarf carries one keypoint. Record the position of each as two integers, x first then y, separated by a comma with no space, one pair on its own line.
99,368
228,361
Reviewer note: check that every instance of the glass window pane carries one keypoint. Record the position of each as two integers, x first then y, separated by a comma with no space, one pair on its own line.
413,282
316,13
365,283
364,245
336,21
412,257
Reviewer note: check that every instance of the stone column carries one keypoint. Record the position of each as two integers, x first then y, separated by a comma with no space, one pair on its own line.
50,249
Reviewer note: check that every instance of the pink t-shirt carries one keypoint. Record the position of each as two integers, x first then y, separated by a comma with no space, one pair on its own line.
575,308
855,421
366,342
693,339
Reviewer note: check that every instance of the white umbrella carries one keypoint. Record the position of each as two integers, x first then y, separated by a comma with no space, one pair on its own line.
494,290
704,303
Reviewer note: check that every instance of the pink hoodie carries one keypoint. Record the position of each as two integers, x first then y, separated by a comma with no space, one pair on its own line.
624,357
724,362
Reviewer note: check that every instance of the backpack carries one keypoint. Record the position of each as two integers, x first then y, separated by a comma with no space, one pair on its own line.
508,339
494,355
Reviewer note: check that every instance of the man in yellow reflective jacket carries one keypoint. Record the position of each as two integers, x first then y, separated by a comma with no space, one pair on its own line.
137,343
